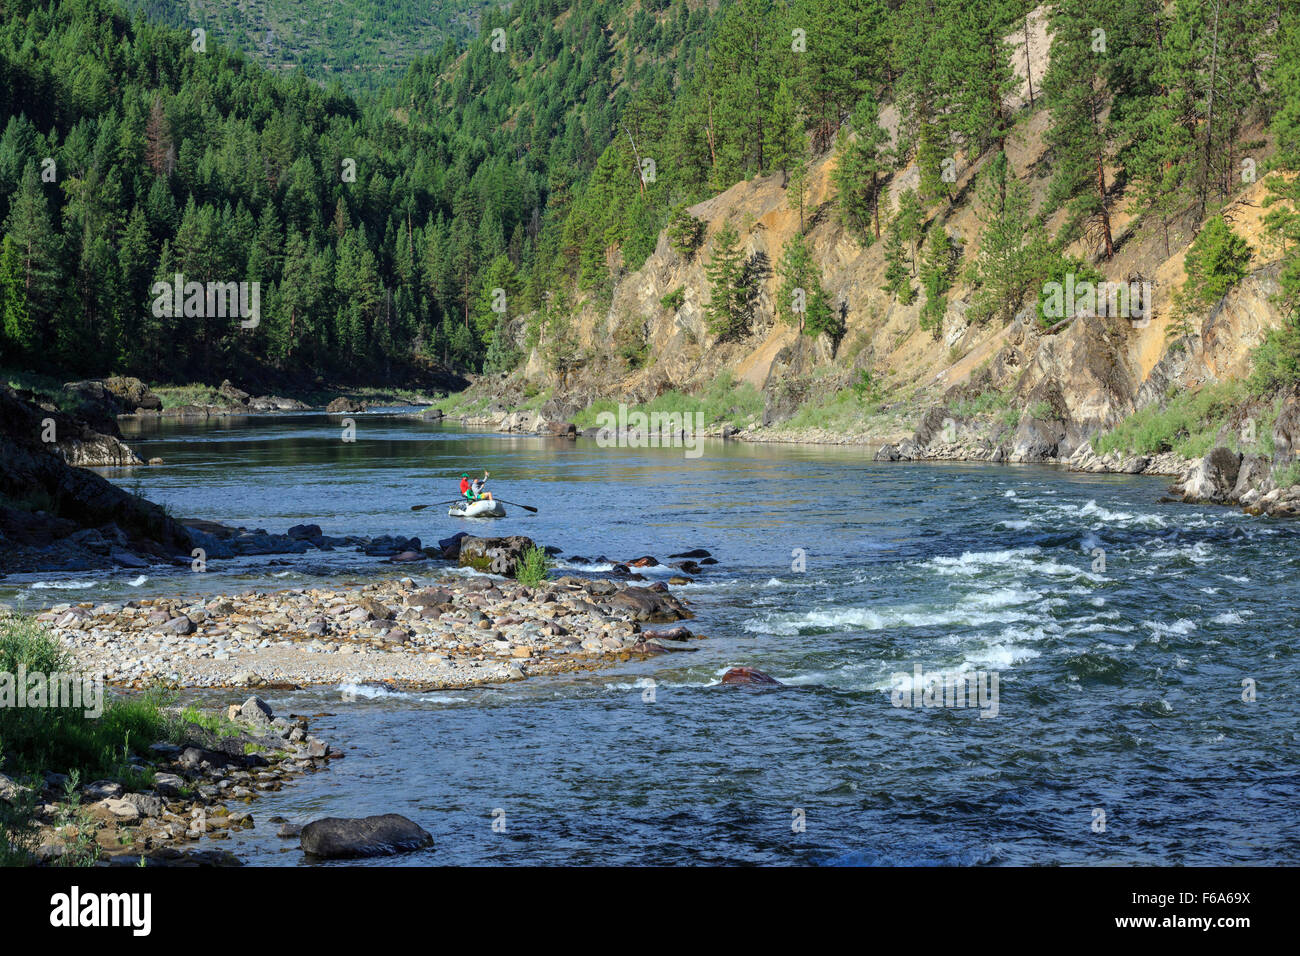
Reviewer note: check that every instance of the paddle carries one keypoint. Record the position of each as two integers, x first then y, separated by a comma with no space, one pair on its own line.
434,504
516,504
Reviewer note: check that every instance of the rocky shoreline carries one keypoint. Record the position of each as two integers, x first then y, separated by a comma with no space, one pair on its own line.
199,788
442,633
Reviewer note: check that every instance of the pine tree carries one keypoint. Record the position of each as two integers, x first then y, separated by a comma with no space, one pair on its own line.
938,265
39,252
802,300
1078,90
727,314
789,143
898,277
862,163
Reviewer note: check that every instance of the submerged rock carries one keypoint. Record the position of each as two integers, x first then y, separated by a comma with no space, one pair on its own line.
334,838
750,676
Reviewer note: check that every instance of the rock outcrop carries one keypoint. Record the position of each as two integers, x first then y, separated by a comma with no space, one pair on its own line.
54,516
493,555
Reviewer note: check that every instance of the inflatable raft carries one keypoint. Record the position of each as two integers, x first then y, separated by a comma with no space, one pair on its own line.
478,509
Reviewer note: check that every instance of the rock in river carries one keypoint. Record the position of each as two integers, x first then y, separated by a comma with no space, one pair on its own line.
495,555
748,675
335,838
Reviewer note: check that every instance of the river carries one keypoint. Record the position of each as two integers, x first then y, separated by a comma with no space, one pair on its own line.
1125,635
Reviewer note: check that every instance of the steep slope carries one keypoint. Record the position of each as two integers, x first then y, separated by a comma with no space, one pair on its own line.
1024,390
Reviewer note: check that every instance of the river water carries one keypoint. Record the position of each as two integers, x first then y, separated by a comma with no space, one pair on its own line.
1124,635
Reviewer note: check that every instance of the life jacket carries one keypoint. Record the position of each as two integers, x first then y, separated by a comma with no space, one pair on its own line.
464,486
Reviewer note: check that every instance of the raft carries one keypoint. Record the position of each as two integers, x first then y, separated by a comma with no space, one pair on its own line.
479,509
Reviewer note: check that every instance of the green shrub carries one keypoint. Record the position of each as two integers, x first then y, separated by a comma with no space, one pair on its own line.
723,400
1277,359
533,567
685,232
1186,423
1216,261
673,300
982,404
1289,476
64,739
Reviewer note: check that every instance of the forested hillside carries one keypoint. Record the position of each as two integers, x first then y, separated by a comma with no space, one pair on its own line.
516,181
363,44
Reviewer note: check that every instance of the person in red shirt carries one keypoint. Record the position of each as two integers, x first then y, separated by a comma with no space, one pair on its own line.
474,491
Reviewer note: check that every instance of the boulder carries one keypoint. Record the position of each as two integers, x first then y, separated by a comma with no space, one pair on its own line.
146,803
168,785
233,395
670,634
1253,474
429,597
562,430
304,532
11,792
647,604
101,790
256,711
133,393
380,612
344,404
1213,478
493,555
750,676
450,547
334,838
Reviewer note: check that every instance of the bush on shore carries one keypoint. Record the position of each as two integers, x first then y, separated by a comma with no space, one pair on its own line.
532,567
1186,423
65,739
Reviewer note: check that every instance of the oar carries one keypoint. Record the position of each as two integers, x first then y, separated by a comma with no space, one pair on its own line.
515,504
434,504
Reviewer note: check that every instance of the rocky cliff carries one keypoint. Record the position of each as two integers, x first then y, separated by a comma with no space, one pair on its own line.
54,516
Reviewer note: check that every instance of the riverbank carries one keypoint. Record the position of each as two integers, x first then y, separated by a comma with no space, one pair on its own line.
198,785
449,631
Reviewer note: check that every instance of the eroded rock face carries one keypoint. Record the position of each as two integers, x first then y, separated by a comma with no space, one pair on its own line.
1286,430
334,838
54,501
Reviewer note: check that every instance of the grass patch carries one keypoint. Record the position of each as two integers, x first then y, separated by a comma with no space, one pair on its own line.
213,723
844,410
65,739
174,396
532,567
985,403
1186,423
459,404
722,401
1289,476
